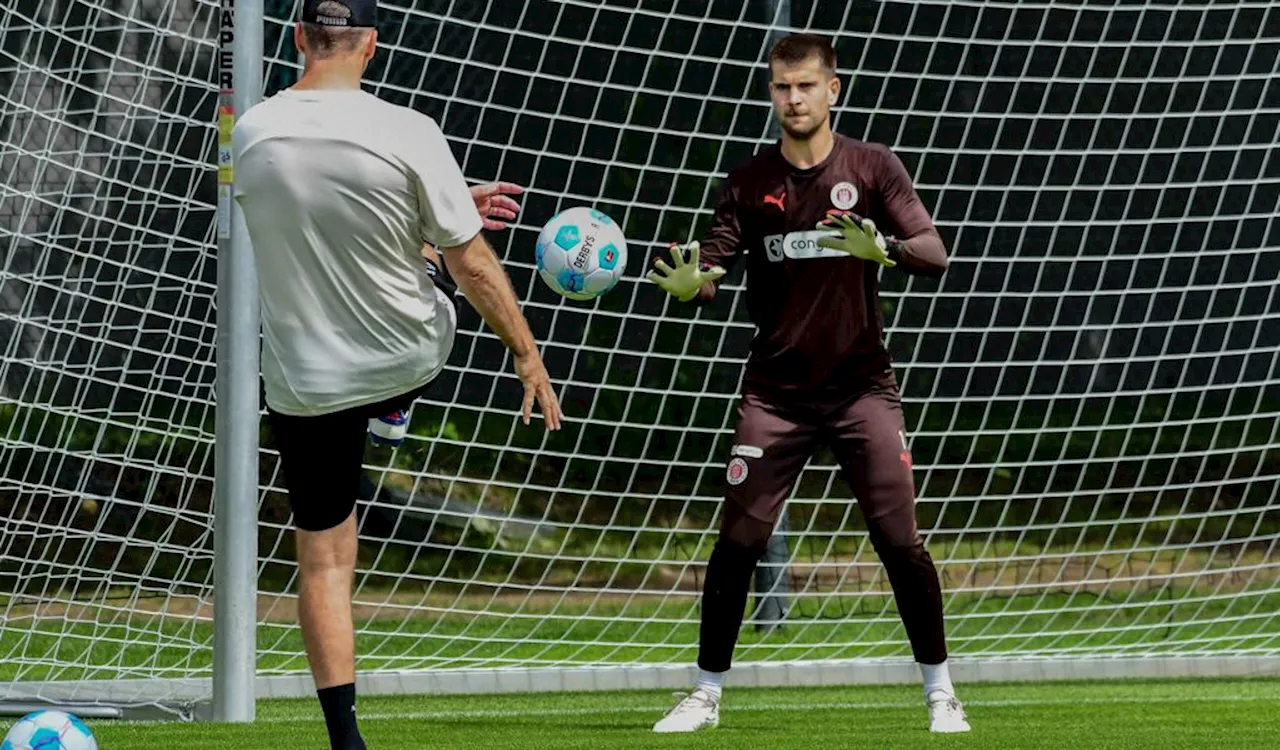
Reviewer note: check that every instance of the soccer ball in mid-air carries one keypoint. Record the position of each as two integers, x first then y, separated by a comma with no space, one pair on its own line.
581,253
49,730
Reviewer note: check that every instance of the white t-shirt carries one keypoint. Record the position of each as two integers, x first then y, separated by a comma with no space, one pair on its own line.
339,189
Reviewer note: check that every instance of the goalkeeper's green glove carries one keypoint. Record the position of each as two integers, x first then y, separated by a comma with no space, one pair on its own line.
856,236
688,276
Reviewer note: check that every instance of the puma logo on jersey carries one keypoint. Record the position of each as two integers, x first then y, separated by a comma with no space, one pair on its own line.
777,200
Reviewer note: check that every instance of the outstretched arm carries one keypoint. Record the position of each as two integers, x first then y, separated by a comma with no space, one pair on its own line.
480,276
699,266
449,219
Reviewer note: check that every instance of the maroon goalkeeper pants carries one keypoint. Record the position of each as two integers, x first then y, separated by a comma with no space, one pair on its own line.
776,437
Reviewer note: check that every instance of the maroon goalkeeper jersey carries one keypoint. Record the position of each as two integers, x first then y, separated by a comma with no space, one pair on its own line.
817,310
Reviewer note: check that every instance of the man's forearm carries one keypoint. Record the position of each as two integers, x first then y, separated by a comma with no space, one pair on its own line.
924,254
481,278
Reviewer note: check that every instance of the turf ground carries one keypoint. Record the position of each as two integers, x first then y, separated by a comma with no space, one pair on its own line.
101,643
1168,715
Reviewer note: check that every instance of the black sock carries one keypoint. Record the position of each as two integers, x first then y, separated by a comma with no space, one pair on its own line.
724,602
339,705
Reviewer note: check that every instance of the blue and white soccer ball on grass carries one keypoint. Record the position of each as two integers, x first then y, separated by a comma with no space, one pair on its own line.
49,730
581,253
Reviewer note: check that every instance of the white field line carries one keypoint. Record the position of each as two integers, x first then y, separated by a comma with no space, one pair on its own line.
658,710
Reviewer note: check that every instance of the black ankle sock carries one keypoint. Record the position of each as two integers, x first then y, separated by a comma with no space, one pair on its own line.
339,705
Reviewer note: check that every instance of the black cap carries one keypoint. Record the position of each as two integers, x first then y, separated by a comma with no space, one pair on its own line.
351,14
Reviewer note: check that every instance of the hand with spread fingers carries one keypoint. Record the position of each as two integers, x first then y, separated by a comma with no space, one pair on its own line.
856,236
687,276
495,204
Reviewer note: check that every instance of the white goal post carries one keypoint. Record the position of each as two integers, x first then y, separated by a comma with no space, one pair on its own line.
1091,391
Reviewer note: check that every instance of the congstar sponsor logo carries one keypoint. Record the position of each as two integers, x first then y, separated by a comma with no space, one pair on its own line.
799,246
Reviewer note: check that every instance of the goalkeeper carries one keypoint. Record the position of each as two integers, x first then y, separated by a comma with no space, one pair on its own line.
820,214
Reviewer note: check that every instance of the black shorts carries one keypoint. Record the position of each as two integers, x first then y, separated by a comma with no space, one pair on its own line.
322,456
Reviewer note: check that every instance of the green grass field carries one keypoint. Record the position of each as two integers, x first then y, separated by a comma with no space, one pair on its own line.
1168,715
97,641
642,631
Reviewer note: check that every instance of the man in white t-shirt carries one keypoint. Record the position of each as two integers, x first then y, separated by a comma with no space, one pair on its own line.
343,194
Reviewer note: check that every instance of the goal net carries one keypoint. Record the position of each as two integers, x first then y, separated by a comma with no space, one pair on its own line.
1091,391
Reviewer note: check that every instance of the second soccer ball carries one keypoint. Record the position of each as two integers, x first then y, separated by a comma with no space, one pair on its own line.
49,730
581,253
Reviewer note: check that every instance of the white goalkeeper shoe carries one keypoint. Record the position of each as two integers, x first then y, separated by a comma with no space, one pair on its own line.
697,710
945,713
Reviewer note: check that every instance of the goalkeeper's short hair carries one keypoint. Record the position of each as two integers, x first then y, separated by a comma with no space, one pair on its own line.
796,48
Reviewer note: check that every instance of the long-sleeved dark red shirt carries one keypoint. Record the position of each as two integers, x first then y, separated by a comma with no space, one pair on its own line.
817,310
